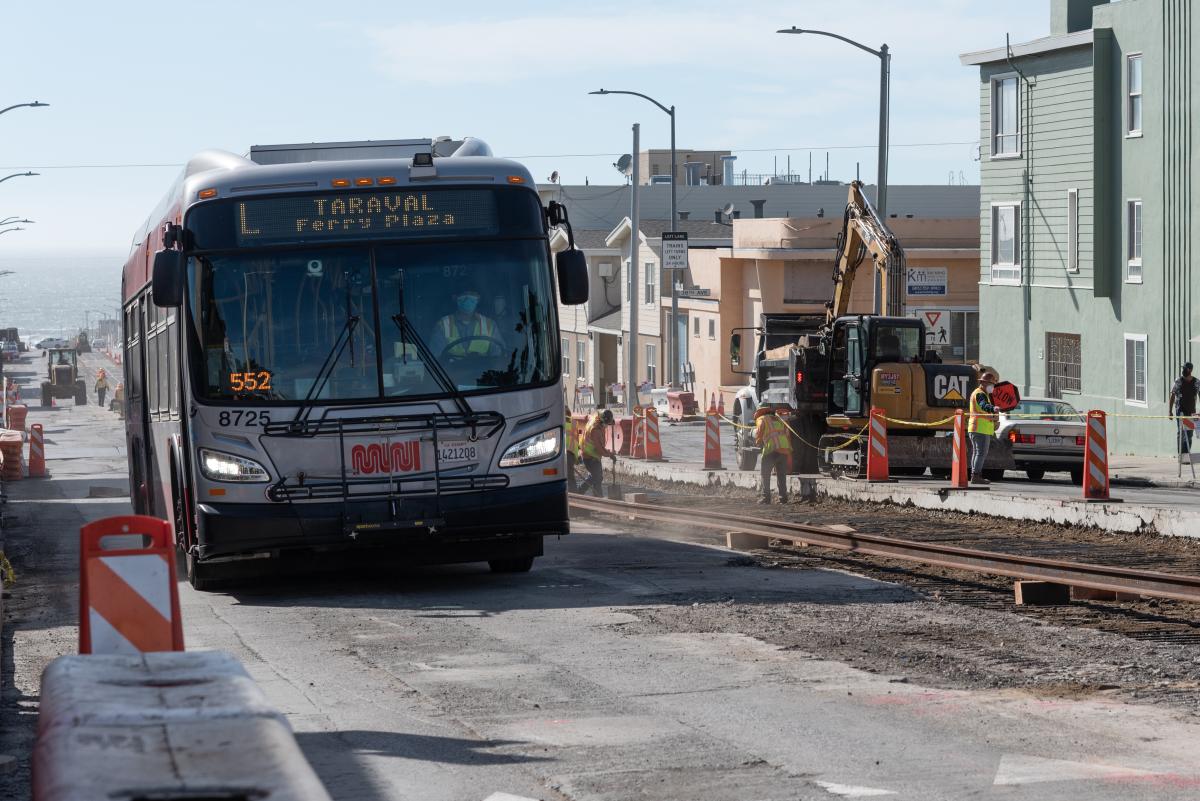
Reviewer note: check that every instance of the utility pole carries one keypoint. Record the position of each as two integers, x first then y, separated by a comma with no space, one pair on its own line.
631,370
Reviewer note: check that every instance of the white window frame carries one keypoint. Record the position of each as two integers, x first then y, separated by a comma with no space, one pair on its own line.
652,363
1072,230
996,81
1003,272
1133,244
651,284
566,356
581,359
1131,95
1136,338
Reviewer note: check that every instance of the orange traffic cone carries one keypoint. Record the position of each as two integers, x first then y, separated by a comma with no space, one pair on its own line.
877,447
653,446
959,472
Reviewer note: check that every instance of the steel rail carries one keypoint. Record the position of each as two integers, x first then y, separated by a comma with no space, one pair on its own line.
1076,574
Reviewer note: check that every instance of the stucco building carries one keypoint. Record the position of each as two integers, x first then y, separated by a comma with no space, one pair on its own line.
1086,285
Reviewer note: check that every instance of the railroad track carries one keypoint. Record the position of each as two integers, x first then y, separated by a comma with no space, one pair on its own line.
1150,583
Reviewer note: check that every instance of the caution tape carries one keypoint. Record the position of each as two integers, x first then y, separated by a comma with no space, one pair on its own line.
796,434
6,570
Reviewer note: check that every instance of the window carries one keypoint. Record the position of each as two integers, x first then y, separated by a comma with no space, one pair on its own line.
1006,131
1133,227
712,329
651,284
1064,364
1133,111
1135,370
1072,230
1006,243
964,337
581,359
696,326
652,364
566,356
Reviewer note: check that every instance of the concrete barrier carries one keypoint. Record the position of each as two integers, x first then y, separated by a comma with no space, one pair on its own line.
160,726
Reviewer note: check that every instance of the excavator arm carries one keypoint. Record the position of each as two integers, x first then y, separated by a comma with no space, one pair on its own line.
865,233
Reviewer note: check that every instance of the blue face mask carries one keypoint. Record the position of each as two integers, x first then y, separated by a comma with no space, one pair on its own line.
467,303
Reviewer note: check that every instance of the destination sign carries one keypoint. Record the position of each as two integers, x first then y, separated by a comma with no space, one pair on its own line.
353,215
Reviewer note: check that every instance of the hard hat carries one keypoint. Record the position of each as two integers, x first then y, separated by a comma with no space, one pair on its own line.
762,411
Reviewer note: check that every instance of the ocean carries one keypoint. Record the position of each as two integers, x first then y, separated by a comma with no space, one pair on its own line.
53,295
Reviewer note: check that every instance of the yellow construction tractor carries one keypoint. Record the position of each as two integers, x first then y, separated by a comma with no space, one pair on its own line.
62,377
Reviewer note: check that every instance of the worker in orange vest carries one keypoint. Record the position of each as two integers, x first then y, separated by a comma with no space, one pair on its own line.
595,448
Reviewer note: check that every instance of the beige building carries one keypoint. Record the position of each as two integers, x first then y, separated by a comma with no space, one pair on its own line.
708,170
785,265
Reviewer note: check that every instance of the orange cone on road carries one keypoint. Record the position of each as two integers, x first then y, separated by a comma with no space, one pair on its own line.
712,439
959,466
37,452
128,597
652,444
877,447
1095,462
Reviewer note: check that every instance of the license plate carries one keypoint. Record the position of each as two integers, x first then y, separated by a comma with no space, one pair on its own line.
451,452
1054,440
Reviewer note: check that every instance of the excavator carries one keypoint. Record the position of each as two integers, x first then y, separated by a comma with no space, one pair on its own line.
833,377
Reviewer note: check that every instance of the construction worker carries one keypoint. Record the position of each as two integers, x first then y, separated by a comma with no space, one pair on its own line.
1182,403
571,445
101,387
117,404
981,426
466,332
773,435
595,448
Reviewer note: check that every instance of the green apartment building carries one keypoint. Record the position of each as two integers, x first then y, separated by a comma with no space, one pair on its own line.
1087,290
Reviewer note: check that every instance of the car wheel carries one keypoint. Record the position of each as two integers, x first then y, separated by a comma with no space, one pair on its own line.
520,564
1077,475
994,474
1035,474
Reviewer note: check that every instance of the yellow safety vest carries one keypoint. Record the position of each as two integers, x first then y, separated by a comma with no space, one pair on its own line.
590,451
569,434
980,422
483,328
775,435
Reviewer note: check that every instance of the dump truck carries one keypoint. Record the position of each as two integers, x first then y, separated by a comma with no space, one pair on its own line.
831,372
62,377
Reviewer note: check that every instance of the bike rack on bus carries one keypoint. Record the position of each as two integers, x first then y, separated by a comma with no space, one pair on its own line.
480,425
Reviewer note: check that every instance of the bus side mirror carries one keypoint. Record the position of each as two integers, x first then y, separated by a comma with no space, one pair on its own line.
167,280
735,350
572,277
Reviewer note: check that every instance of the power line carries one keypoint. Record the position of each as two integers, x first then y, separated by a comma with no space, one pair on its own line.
526,156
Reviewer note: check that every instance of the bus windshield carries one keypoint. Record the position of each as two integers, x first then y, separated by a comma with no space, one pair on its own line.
267,321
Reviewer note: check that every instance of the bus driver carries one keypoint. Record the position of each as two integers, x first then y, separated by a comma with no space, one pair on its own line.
466,332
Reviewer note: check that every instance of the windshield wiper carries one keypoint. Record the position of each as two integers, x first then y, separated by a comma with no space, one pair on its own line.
344,337
407,333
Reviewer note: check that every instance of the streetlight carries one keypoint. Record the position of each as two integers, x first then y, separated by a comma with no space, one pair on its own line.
10,230
34,104
11,220
670,112
18,175
885,69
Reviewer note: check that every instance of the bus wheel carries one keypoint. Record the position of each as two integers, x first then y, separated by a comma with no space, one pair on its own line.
200,576
520,564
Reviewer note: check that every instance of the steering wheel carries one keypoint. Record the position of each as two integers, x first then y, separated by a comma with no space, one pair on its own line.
454,343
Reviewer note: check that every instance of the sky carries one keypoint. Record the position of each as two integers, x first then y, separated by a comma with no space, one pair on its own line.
134,83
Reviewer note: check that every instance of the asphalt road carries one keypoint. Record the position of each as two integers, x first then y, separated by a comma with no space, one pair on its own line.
452,683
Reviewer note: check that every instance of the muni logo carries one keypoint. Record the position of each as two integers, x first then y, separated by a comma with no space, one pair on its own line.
950,387
399,457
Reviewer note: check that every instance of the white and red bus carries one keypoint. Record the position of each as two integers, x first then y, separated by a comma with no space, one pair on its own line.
349,345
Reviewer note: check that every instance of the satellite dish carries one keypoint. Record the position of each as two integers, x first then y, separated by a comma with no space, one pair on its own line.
728,210
554,177
624,164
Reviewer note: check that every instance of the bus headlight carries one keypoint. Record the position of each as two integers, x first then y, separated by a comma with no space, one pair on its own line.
218,466
531,450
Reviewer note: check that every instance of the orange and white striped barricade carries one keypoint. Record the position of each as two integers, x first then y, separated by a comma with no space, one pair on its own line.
37,451
128,598
1185,430
637,447
877,447
652,445
712,438
960,461
1095,458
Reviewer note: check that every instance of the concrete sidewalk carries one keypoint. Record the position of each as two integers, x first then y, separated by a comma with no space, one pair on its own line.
1148,497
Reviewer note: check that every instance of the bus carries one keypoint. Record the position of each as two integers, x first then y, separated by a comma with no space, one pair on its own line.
349,345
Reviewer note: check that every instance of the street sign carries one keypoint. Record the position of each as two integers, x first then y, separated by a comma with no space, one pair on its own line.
926,281
937,326
675,250
695,292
